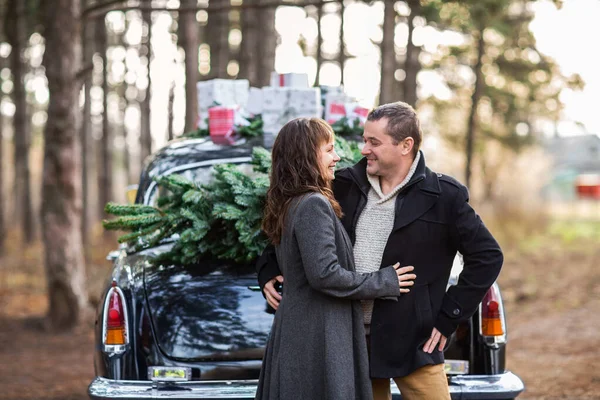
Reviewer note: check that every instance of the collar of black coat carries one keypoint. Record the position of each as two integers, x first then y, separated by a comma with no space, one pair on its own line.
414,200
424,179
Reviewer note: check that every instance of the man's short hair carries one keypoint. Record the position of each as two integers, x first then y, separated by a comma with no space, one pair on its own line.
402,122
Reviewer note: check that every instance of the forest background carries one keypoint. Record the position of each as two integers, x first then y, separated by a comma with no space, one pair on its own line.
89,88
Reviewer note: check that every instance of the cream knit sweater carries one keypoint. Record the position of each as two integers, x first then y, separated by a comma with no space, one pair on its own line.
374,227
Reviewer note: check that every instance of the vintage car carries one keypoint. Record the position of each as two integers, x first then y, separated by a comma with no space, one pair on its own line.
183,332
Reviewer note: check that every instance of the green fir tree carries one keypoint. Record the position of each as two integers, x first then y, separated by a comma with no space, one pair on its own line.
219,220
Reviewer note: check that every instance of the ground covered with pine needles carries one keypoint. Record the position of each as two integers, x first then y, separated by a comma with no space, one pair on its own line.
550,283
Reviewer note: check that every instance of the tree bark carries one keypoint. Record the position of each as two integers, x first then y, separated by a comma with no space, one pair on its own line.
145,127
319,57
16,33
86,125
342,52
2,222
265,45
218,40
248,58
476,96
171,115
61,188
105,154
412,65
188,40
388,55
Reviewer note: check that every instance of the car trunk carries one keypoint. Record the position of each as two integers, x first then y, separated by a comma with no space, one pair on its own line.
208,312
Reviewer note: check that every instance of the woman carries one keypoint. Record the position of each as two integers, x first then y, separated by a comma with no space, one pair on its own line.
317,347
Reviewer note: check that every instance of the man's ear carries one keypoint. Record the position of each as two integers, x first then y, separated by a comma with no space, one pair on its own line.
407,145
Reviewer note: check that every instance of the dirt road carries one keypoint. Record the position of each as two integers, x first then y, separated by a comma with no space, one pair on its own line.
552,298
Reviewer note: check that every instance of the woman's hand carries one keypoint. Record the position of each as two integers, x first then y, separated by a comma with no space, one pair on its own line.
405,279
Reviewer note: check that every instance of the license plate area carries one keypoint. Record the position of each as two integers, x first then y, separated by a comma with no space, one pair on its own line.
456,367
169,374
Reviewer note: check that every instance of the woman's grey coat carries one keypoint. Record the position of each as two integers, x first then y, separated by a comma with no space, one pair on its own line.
317,348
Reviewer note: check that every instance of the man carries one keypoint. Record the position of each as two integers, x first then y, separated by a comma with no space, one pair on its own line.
397,210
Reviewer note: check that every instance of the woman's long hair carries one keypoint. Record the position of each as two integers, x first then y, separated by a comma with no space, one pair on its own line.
295,170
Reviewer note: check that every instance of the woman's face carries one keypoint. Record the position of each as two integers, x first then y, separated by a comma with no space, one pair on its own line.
327,159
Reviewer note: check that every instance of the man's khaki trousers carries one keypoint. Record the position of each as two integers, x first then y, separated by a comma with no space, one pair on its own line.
426,383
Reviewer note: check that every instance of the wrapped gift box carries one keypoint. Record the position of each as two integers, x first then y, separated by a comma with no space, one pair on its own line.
223,92
255,101
283,104
221,122
289,80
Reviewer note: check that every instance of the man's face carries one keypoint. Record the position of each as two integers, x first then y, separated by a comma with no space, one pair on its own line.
383,156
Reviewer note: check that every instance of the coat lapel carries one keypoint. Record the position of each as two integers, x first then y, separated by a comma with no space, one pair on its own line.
418,199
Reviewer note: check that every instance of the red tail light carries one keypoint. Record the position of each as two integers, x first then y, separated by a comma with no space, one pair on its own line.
115,318
491,314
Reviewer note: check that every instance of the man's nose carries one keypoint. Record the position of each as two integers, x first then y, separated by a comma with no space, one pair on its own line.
365,150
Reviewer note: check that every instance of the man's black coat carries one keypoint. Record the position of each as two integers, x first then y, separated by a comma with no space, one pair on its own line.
433,221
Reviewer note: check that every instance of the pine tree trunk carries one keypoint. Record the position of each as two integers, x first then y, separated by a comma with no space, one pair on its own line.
412,65
265,45
86,125
319,57
2,222
22,137
126,133
145,127
248,58
218,40
342,51
189,41
171,116
477,93
105,156
61,189
388,55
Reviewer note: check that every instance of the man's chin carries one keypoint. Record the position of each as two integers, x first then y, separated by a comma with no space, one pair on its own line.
371,169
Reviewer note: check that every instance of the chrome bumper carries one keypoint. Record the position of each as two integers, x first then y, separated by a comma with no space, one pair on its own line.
480,387
102,388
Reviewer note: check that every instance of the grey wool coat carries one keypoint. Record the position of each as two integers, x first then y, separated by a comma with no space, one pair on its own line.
317,348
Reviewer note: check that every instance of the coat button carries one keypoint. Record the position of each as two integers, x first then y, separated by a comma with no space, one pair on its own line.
439,175
456,311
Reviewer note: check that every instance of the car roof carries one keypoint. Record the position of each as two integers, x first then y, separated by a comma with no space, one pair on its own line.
185,151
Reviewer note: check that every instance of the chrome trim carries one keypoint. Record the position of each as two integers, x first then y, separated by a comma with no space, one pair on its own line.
114,348
102,388
113,255
494,342
485,387
234,160
119,348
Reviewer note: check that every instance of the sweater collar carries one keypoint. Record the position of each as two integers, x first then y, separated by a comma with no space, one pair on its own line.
376,182
359,173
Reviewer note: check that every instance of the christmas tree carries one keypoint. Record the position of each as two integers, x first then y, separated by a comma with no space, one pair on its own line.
217,220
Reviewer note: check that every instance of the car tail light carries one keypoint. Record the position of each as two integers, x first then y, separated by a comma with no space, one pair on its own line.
492,325
115,319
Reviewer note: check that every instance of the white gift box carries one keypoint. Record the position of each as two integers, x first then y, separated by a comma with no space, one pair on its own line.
289,80
280,105
255,101
224,92
334,101
301,100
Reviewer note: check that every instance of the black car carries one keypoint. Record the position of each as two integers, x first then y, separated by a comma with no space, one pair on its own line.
198,331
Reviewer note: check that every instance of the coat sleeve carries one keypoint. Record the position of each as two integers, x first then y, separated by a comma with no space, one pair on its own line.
314,228
482,263
267,267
